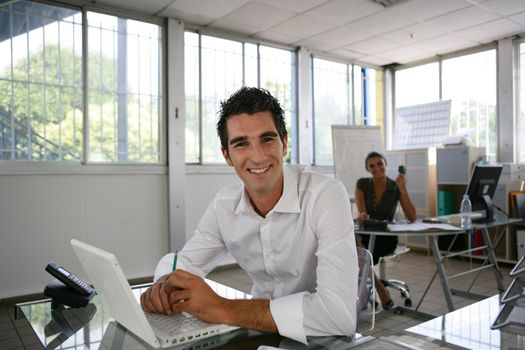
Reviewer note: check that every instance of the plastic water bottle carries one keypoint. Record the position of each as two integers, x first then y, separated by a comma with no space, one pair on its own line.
466,213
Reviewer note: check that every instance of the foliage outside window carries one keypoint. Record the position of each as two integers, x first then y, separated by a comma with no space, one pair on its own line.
343,95
215,68
470,82
42,95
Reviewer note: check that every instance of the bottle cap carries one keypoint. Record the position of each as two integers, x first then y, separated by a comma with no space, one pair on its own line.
465,196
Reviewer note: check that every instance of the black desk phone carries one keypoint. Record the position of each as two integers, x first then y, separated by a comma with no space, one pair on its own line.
67,289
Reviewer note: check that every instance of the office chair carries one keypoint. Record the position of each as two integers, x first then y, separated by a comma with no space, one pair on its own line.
365,289
399,285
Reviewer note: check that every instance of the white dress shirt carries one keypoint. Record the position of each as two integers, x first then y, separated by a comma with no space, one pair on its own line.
301,256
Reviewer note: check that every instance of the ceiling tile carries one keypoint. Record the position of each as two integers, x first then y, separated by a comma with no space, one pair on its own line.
276,37
381,22
302,27
404,54
420,10
443,44
335,38
375,60
505,7
201,12
346,53
519,19
464,18
490,31
252,18
372,46
415,33
297,6
141,6
343,11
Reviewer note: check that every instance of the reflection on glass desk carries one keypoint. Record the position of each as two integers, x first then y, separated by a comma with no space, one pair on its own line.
465,328
92,327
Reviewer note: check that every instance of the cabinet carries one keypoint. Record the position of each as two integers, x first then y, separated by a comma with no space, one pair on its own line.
421,178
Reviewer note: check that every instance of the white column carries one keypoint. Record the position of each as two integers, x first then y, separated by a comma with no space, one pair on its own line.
506,108
304,96
176,136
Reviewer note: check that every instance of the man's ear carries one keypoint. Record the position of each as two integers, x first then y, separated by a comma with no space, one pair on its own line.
226,156
285,146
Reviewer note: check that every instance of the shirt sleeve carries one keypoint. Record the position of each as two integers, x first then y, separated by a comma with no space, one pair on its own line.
201,253
331,310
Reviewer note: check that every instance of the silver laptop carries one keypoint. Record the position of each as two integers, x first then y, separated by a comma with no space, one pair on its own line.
157,330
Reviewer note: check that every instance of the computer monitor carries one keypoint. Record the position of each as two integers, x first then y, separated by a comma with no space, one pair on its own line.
482,187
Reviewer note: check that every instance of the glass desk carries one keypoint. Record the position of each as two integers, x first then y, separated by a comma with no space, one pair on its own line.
490,261
92,327
465,328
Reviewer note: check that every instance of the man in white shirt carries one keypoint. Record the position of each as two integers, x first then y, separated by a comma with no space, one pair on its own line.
289,228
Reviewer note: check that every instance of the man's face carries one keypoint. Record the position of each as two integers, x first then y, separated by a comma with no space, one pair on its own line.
376,166
256,152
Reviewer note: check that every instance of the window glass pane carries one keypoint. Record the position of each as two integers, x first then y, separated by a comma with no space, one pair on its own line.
470,82
331,105
417,85
124,98
372,112
40,82
358,95
521,118
250,65
276,76
192,88
221,76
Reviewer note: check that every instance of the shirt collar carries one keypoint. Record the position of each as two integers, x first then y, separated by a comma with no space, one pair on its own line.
289,201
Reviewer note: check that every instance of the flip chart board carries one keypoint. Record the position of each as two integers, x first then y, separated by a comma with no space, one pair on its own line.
351,144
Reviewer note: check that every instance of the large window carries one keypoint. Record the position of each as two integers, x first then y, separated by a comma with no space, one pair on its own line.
41,110
124,90
343,94
43,114
417,85
215,68
470,82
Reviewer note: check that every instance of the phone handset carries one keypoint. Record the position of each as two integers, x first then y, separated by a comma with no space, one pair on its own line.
69,279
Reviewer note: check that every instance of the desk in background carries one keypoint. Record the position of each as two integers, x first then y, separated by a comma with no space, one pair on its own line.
439,258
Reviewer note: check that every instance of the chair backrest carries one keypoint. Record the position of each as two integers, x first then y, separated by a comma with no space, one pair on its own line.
365,288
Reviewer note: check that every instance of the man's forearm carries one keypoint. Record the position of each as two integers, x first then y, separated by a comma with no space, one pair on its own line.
253,314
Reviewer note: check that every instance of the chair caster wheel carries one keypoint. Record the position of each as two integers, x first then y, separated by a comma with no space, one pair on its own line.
408,302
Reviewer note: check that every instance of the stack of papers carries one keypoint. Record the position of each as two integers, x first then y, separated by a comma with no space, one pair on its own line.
420,226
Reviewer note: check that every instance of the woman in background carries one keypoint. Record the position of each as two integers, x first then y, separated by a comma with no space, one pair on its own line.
376,197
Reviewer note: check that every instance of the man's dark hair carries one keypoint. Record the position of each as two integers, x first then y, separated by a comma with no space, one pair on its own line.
373,154
250,100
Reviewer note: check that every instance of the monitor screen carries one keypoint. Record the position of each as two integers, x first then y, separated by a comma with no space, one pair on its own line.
482,186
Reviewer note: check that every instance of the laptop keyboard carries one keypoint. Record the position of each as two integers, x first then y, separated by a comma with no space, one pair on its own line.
175,324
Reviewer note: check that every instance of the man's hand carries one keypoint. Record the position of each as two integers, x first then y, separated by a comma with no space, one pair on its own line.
190,293
154,299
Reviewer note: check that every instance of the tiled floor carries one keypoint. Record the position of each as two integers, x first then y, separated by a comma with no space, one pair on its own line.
416,268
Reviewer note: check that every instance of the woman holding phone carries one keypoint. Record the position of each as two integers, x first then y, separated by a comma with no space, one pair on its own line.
376,197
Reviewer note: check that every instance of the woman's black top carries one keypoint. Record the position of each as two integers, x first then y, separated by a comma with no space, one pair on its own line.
384,210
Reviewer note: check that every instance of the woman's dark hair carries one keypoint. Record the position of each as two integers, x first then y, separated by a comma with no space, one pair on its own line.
250,100
373,154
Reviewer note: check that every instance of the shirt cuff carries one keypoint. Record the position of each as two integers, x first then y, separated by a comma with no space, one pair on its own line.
164,267
287,312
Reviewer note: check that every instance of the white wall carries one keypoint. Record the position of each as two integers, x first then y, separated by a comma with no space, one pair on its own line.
126,214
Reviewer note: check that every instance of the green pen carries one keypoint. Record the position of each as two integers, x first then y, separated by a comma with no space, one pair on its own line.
175,260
